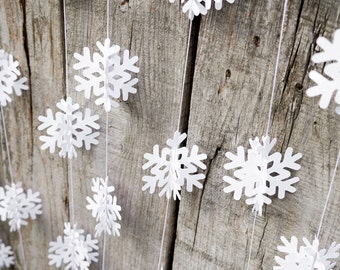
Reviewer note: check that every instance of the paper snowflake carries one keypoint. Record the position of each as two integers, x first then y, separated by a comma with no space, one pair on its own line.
172,167
69,128
6,255
262,173
74,249
108,75
104,207
197,7
307,257
327,85
17,206
9,78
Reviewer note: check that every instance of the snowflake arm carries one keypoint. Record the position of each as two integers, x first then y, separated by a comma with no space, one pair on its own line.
69,129
6,255
173,168
307,256
108,76
74,249
104,207
261,173
17,206
327,85
9,78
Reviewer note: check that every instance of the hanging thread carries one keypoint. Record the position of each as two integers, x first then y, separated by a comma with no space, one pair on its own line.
276,65
270,111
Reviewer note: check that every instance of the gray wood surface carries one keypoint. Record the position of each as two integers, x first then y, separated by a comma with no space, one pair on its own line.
225,103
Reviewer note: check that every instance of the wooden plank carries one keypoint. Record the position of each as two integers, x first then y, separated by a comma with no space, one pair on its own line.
157,33
230,101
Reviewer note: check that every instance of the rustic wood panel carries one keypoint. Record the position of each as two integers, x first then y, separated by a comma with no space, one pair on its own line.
231,75
230,96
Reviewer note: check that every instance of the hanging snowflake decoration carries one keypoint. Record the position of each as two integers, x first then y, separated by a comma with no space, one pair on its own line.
108,75
197,7
9,78
69,129
262,173
172,167
307,257
327,85
17,206
6,255
104,207
74,249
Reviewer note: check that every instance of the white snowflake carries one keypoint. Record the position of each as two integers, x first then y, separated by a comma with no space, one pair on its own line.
262,173
327,85
9,78
17,206
74,249
6,255
173,166
197,7
69,129
108,75
104,207
307,257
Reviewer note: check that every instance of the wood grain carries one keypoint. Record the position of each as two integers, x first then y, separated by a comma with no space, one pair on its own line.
225,103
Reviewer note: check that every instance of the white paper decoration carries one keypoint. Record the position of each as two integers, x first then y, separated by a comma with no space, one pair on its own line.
327,86
9,78
107,75
17,206
6,255
197,7
75,249
68,129
307,256
261,174
104,207
173,167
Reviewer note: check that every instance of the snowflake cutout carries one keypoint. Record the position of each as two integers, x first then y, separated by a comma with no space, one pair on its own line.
9,78
74,249
173,167
104,207
307,257
69,129
6,255
108,75
17,206
262,173
327,85
197,7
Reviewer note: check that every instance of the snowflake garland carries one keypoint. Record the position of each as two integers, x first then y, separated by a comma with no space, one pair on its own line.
9,78
197,7
69,129
74,249
172,167
17,206
327,85
108,75
104,207
262,173
303,258
6,255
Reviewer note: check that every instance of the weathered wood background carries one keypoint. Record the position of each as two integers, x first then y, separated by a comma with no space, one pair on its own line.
226,101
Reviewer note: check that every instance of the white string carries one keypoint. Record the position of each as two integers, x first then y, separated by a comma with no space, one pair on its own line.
276,66
328,195
7,146
163,235
184,75
326,204
21,243
65,49
107,18
251,240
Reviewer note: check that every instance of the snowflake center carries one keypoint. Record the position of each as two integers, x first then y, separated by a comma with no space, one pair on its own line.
175,166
